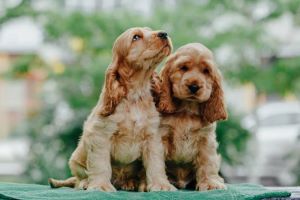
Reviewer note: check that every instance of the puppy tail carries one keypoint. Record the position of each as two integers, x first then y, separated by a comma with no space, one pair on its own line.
70,182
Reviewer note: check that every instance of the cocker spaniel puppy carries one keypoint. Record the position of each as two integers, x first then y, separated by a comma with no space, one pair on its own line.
121,134
190,99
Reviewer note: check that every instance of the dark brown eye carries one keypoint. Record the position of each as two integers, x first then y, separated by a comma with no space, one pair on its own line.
205,71
136,37
184,68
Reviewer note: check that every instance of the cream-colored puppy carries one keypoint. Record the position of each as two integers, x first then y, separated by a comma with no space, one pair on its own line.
190,98
123,127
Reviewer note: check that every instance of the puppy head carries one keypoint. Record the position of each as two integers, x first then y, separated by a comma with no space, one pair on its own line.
135,50
142,47
191,75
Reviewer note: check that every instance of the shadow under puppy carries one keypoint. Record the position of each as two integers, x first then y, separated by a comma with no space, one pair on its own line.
121,134
190,99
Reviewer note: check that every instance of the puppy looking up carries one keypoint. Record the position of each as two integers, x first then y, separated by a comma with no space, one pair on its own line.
190,98
123,127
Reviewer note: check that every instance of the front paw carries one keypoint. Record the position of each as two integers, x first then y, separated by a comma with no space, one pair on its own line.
142,187
161,186
128,186
104,187
82,184
211,184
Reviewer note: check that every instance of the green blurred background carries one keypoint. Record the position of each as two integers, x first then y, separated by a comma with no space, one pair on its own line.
56,81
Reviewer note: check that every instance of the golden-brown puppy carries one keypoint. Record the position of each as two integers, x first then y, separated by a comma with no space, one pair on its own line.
121,134
190,98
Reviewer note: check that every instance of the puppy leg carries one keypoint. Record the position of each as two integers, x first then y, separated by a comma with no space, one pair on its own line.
77,161
142,184
70,182
77,169
153,158
207,165
98,163
80,173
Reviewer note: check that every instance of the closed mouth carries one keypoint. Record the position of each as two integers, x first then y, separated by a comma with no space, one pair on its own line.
191,97
165,46
159,52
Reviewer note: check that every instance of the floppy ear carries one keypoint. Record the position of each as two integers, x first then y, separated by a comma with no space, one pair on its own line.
166,104
214,109
155,87
113,91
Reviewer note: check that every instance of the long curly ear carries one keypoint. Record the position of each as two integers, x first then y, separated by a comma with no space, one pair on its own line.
166,104
214,109
155,87
113,91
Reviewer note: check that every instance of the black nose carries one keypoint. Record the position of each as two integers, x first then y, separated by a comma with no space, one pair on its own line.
193,88
162,35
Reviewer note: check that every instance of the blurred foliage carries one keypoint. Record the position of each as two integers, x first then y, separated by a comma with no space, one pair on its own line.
280,76
22,9
232,140
73,85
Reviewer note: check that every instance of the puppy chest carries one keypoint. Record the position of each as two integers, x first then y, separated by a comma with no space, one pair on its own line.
125,149
139,118
181,139
185,148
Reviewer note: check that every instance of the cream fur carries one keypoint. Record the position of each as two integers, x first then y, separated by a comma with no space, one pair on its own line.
122,129
188,121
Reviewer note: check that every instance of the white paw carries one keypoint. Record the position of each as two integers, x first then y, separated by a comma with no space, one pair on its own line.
161,186
210,184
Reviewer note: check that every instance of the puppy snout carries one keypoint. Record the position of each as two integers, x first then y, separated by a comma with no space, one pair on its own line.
162,35
193,88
